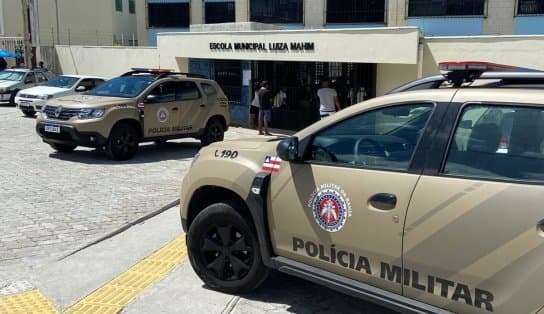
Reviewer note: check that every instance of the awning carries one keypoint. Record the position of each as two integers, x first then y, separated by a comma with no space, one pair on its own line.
361,45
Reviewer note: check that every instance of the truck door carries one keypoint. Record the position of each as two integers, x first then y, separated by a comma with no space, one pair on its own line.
161,111
474,238
343,208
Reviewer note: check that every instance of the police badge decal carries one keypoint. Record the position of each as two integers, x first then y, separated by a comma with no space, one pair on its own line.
330,207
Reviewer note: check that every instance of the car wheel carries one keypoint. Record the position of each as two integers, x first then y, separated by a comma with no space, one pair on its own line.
214,132
224,251
29,113
123,142
62,148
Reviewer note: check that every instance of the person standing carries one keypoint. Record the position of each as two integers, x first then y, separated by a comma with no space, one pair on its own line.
265,109
329,102
254,110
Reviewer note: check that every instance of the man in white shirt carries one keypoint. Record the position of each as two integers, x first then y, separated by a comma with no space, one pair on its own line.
328,99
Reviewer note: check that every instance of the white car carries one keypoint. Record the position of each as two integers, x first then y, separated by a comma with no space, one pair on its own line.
32,99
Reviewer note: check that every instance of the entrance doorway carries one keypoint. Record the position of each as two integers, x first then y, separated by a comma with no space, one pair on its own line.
354,82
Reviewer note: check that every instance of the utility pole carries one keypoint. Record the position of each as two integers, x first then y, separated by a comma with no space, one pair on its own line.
26,38
57,20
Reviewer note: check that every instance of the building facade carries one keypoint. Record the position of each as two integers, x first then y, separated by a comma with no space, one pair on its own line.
365,46
75,22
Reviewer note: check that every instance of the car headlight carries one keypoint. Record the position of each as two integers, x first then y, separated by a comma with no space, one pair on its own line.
90,113
45,97
195,158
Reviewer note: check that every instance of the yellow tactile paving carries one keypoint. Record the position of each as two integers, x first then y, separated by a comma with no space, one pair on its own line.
113,296
27,302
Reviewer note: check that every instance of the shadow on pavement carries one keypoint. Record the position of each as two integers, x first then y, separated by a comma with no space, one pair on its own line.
147,153
302,296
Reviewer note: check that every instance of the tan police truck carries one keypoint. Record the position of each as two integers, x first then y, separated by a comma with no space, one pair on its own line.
426,201
139,106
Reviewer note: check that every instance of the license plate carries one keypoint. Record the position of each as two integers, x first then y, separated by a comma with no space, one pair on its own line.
52,128
25,104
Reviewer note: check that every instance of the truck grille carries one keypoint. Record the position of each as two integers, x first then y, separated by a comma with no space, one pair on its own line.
63,114
28,96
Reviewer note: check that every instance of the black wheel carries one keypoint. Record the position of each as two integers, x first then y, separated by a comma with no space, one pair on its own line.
123,142
214,132
62,148
224,251
29,113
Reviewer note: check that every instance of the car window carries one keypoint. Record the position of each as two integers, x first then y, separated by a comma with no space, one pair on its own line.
124,86
498,142
187,91
385,138
208,89
98,82
164,92
87,83
30,77
41,77
62,81
11,75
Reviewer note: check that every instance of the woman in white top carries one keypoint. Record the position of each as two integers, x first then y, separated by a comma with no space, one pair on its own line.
329,102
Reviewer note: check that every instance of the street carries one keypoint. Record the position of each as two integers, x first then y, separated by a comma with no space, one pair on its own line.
55,204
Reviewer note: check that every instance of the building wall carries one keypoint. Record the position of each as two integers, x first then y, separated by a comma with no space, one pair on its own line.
141,22
389,76
500,18
530,25
112,61
314,13
124,25
448,26
12,18
197,11
396,13
81,22
242,10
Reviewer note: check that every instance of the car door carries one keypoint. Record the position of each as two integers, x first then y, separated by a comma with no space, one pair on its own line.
161,111
343,208
193,107
474,238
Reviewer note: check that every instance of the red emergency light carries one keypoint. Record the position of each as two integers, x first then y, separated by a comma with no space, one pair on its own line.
480,66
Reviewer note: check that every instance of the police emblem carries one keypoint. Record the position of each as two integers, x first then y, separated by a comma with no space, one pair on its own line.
330,207
162,114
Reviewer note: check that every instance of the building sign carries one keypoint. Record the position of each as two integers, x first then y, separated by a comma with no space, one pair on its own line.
263,47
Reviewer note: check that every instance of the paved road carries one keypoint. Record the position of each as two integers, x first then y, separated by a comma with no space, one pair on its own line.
53,203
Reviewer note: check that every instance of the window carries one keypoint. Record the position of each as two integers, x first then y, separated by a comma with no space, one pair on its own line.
98,82
219,12
530,6
30,78
208,89
87,83
187,91
165,92
356,11
132,6
445,7
381,139
498,142
276,11
119,5
41,77
124,86
168,14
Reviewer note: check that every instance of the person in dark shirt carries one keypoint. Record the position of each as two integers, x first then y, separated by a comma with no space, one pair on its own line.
265,109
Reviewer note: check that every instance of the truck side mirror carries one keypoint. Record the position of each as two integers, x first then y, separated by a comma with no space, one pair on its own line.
287,149
151,99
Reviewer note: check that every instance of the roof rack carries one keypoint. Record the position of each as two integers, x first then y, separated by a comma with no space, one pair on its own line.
460,73
161,73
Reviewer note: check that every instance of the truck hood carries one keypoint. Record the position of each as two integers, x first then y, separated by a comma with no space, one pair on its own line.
257,143
44,90
87,101
6,83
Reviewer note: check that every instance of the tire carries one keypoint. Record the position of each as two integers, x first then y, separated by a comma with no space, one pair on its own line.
62,148
123,142
214,132
219,236
29,113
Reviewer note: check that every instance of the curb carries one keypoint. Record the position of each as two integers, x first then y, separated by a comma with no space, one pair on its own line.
123,228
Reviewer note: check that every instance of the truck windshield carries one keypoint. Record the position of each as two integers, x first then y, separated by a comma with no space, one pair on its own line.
11,75
125,87
62,81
